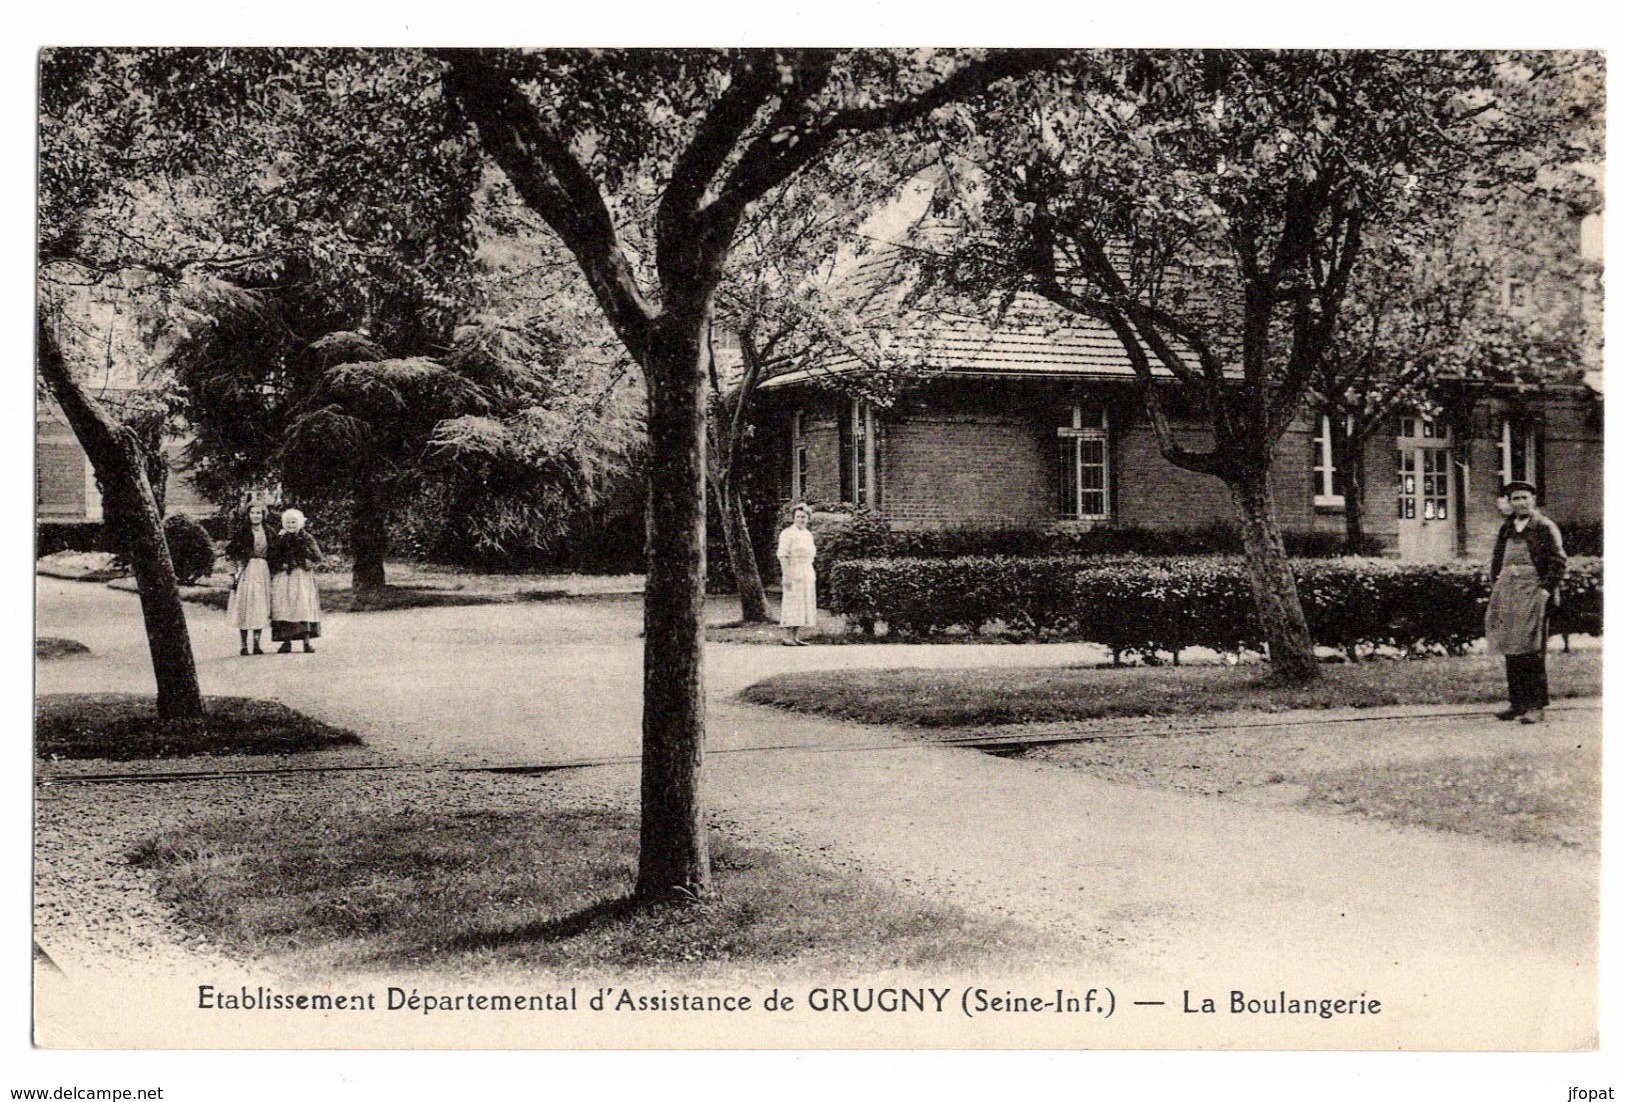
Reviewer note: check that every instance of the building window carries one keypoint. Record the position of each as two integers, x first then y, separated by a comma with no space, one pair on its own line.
1522,446
1085,452
1423,428
796,488
1424,483
1328,479
860,478
1515,295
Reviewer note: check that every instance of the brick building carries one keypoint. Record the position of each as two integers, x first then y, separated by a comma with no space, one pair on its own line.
112,359
65,489
1040,425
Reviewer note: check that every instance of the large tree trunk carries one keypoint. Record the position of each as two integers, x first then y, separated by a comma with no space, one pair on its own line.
741,555
674,859
1275,590
369,538
1352,464
132,515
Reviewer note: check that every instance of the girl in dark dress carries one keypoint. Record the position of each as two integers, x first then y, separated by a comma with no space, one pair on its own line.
249,608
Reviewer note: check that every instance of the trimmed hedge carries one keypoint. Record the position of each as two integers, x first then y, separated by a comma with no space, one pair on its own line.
845,532
51,536
1144,605
1583,539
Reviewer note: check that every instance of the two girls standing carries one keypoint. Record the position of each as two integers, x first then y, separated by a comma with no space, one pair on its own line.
275,584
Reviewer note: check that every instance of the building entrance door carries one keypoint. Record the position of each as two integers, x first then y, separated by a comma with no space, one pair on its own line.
1427,521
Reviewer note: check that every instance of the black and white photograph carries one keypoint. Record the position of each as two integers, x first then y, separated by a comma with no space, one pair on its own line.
993,547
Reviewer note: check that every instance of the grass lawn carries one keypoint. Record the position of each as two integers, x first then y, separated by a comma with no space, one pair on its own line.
126,727
465,886
1507,782
46,649
990,696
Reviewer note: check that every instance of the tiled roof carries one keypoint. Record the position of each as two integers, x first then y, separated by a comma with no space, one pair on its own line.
1032,338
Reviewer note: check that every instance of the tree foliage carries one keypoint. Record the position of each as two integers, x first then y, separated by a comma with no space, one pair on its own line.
325,301
1211,209
645,164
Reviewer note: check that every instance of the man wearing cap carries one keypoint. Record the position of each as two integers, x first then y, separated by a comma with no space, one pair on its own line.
1527,570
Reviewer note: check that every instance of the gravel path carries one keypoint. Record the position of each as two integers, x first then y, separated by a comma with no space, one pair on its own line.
1162,888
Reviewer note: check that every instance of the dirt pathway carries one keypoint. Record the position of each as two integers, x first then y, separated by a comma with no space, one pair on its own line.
1480,944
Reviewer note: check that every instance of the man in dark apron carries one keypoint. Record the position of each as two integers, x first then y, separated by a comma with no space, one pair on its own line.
1527,571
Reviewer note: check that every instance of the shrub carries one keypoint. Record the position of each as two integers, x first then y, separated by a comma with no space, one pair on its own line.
1583,539
69,535
189,548
1580,610
1149,605
1327,545
220,525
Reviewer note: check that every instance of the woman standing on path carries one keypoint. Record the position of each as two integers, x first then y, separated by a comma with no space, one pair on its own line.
1527,569
797,550
295,610
249,608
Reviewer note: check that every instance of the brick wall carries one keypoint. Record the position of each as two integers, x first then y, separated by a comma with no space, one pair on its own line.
1153,493
59,475
961,469
1381,517
63,485
975,453
1573,490
823,454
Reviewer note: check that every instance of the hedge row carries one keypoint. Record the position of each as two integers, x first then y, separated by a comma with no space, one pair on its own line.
51,536
1139,605
845,532
859,534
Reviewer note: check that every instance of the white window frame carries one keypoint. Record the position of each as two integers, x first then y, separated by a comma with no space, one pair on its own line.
1326,465
1530,433
862,424
1412,427
1077,433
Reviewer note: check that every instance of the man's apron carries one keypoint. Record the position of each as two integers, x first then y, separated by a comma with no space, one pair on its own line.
1515,621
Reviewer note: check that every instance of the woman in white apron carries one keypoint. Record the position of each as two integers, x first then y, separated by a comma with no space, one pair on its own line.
296,612
796,554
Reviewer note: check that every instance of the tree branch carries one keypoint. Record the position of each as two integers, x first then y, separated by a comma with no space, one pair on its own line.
750,86
771,164
1210,462
553,183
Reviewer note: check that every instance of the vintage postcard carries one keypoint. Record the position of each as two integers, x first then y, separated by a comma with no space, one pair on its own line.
856,548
